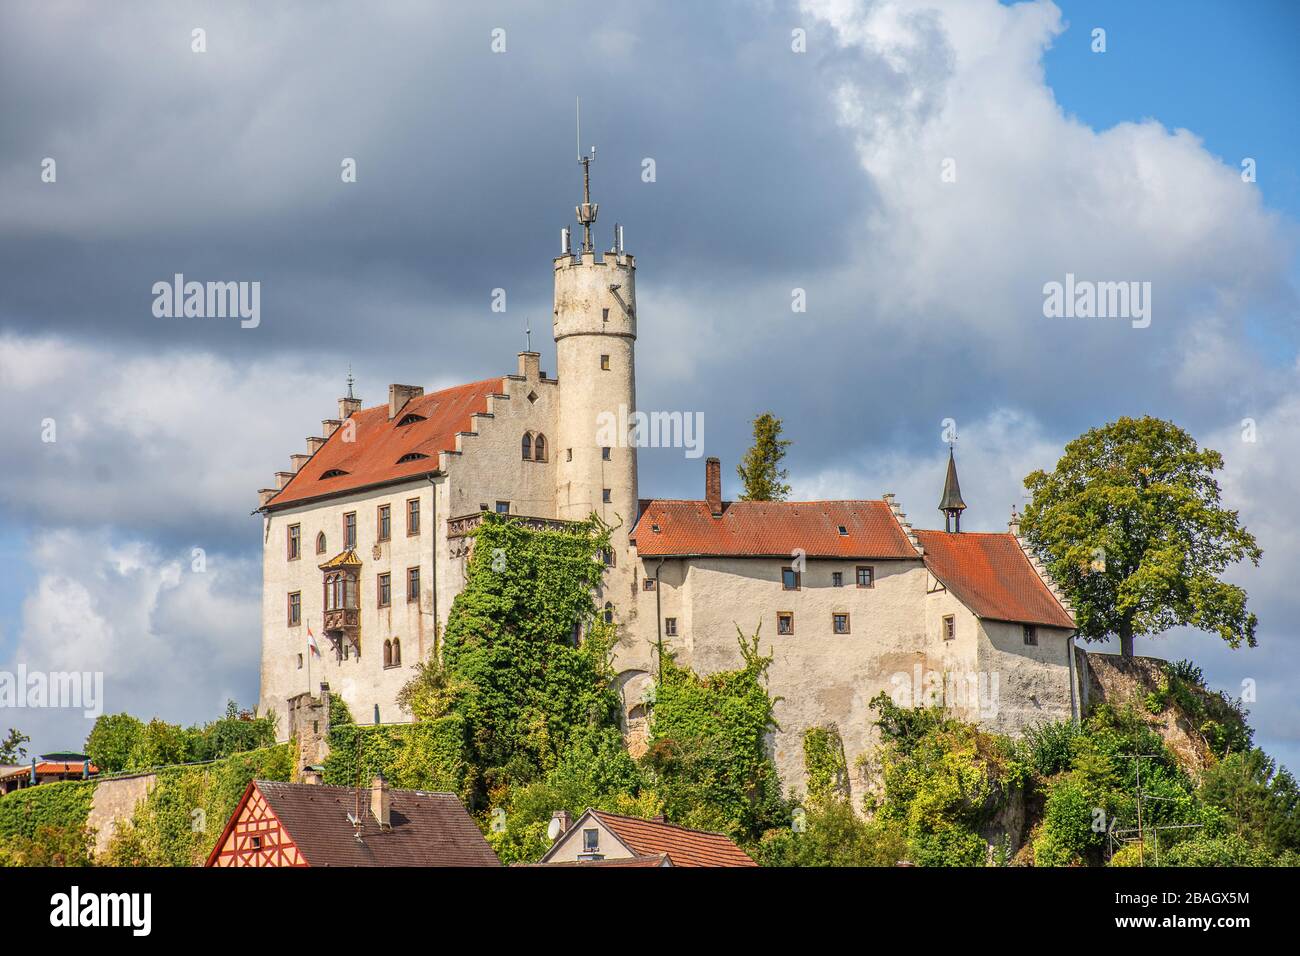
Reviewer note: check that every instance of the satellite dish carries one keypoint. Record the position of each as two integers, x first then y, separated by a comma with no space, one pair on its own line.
553,830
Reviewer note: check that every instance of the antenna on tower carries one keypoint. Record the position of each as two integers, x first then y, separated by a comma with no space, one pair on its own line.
528,333
350,395
588,209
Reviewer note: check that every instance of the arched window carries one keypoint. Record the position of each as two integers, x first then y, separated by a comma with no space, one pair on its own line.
609,613
527,446
539,448
388,653
397,652
320,543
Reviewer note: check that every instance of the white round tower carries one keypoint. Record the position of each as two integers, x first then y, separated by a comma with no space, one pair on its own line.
595,340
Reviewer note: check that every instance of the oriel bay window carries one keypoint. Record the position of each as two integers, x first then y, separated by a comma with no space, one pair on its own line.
342,603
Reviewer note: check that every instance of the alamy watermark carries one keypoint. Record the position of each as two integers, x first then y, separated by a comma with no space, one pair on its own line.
651,430
208,300
53,689
1085,299
975,692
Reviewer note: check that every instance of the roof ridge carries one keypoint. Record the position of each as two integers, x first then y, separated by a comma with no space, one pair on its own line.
661,823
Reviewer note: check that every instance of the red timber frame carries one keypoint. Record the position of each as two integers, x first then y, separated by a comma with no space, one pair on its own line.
254,836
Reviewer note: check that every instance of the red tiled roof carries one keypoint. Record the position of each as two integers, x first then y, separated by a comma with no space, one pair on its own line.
428,829
771,528
684,847
46,767
656,860
991,576
373,456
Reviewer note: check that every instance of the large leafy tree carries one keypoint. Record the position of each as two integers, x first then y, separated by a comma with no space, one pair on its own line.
1130,523
760,470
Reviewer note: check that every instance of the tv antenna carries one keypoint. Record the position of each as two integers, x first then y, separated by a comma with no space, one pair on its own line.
588,209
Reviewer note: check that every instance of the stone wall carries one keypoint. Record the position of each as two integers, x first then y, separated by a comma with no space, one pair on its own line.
114,801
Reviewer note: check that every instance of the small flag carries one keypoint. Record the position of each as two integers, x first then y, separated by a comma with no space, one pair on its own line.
311,642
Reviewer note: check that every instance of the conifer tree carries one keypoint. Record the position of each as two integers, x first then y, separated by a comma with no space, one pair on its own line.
760,470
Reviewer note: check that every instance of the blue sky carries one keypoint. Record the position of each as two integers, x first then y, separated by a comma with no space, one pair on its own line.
775,171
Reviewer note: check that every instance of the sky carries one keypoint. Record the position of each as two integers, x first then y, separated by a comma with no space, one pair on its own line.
920,169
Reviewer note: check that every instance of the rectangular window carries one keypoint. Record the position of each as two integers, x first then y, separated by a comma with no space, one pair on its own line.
604,454
949,627
785,622
503,507
604,363
604,495
840,623
568,454
837,579
349,530
295,541
413,516
790,579
1031,635
648,584
412,584
590,841
670,627
866,577
295,608
385,522
299,662
385,590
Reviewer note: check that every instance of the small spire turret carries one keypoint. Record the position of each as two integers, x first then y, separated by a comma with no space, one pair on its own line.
951,504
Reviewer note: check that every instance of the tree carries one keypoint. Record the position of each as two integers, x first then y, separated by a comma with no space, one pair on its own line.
12,750
112,740
1131,526
1260,801
760,470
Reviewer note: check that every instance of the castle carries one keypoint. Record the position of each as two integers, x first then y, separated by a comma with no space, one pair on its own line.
366,538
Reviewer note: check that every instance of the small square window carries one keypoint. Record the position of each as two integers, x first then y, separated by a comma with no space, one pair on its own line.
654,528
840,623
949,627
604,363
503,507
256,842
604,495
866,577
1031,635
670,626
532,397
844,532
837,579
648,584
789,579
784,622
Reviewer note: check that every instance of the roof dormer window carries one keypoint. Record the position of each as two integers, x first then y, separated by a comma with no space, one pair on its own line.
411,456
410,419
333,473
844,532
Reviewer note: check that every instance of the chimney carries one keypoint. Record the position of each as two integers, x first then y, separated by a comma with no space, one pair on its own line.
381,801
564,820
399,395
529,364
347,406
713,485
311,776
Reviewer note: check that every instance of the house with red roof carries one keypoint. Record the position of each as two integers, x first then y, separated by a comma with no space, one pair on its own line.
598,838
367,533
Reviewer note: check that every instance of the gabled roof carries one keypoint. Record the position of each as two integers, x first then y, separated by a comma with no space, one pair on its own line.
684,847
771,529
991,575
652,861
373,456
428,829
344,559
